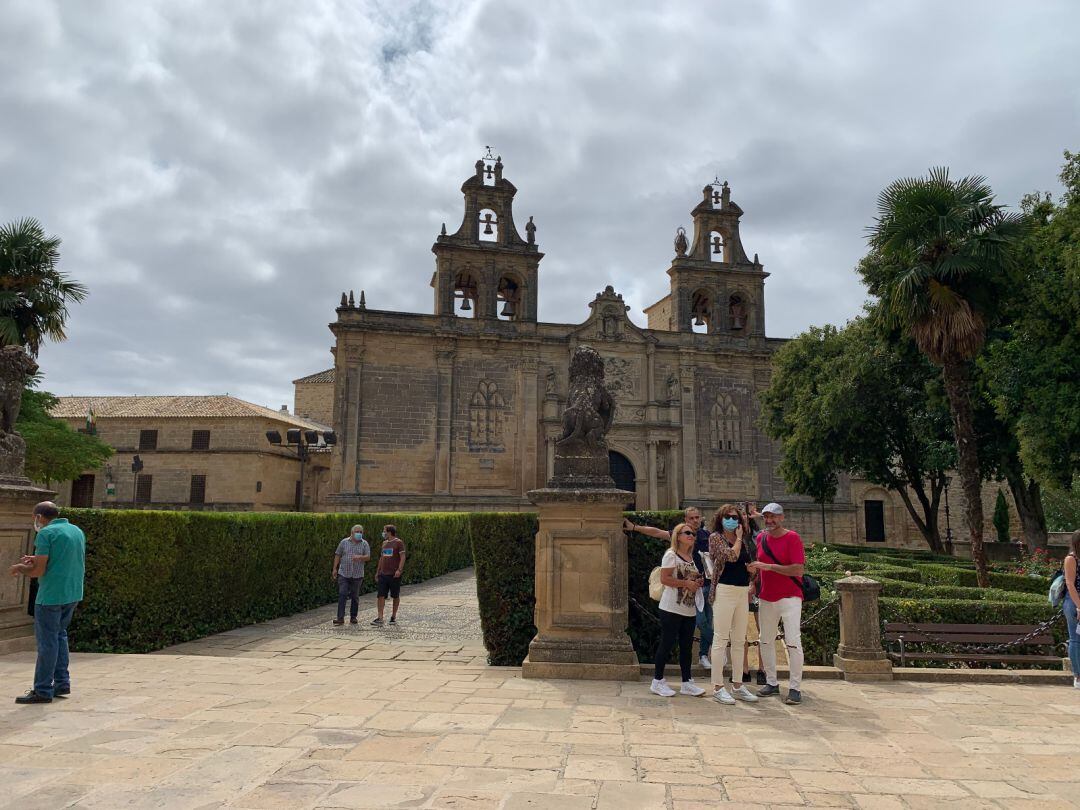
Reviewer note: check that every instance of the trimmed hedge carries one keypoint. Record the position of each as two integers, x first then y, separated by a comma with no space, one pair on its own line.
503,549
155,578
934,574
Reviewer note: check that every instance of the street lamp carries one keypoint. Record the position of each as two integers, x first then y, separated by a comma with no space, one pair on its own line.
299,441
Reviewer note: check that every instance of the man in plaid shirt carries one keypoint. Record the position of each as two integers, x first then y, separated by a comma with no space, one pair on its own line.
352,552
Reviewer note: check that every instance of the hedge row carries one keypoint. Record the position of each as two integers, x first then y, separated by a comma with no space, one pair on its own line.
154,579
936,574
503,550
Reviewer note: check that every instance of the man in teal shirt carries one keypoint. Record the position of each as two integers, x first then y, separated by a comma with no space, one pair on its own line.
59,563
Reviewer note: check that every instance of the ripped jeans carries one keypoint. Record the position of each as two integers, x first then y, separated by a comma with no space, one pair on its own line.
769,615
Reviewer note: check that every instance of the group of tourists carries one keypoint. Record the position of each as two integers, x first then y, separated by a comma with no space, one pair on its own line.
348,572
713,578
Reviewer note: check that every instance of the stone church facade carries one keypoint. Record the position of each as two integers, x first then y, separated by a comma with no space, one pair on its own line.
460,409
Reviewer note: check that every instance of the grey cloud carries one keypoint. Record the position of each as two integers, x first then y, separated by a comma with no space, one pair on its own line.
220,173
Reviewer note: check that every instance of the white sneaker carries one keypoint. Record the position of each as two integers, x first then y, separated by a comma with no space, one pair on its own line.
705,662
1076,683
692,689
661,688
742,693
721,696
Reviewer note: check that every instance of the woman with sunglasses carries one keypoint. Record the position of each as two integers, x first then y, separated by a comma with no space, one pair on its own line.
678,611
729,553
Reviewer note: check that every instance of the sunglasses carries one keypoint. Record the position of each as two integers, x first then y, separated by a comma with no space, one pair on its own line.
687,531
732,517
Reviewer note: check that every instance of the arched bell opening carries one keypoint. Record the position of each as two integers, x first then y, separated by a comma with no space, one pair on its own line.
489,226
510,299
716,246
737,313
466,292
701,312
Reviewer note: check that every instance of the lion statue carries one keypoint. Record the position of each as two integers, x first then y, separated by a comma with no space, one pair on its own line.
590,408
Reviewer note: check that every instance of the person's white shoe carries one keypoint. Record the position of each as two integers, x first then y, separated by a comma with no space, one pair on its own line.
692,689
661,688
721,696
742,693
705,662
1076,683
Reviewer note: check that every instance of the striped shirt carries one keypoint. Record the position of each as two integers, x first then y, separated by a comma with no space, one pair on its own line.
345,550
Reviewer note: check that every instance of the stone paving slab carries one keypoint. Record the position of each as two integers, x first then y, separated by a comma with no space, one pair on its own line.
217,724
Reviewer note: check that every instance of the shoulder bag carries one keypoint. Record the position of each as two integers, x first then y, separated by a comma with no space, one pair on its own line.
809,586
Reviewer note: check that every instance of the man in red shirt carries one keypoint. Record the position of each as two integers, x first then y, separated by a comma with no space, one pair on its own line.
780,562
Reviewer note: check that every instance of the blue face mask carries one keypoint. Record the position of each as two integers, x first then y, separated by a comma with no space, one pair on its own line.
359,535
731,524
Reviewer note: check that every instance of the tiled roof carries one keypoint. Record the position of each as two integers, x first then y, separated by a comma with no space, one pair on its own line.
212,406
319,377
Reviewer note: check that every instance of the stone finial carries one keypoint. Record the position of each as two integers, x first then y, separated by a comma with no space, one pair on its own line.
443,231
480,169
682,244
530,232
344,300
16,366
363,300
498,168
352,301
725,195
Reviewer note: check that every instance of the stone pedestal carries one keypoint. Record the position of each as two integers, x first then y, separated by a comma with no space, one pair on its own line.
581,592
860,655
17,500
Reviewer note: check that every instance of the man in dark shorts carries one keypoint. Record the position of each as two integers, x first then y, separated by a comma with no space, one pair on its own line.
388,575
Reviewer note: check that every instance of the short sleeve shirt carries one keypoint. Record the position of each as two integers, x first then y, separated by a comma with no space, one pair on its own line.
678,600
390,556
788,550
65,546
346,550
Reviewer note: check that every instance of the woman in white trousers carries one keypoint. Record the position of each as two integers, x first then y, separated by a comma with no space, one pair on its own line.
730,598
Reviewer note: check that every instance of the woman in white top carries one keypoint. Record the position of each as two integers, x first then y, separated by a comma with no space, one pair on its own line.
678,611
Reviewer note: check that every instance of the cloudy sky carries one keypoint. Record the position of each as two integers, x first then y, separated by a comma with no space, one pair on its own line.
220,172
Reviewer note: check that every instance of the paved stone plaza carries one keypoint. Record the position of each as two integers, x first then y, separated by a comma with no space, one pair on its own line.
299,714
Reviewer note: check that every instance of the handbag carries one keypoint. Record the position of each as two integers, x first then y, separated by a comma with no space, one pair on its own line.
656,587
809,586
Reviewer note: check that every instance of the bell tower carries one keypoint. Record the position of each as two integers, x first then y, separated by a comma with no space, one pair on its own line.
715,288
485,269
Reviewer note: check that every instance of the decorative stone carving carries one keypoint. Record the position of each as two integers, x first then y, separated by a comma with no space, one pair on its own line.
682,244
622,375
581,452
551,383
15,367
486,411
672,387
725,426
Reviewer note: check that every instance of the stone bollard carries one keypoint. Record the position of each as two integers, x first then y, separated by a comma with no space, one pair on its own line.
860,655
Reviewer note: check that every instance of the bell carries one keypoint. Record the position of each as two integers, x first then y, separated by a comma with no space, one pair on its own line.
487,227
508,309
465,305
699,321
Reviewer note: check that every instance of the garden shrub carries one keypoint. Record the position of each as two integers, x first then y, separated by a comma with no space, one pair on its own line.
935,574
503,546
156,578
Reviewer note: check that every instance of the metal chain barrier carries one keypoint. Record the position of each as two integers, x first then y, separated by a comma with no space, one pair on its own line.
934,639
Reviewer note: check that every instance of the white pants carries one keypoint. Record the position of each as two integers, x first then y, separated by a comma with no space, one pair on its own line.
769,615
731,611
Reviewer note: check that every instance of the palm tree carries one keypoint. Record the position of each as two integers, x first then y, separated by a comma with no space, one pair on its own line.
942,251
34,294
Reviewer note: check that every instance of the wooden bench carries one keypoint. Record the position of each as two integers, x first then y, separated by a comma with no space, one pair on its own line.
987,636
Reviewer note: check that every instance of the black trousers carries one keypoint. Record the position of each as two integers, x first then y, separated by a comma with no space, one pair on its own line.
675,628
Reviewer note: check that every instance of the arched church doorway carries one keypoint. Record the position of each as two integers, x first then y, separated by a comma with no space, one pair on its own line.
622,471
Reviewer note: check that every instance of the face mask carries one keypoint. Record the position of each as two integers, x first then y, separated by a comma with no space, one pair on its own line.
731,524
359,535
384,535
36,527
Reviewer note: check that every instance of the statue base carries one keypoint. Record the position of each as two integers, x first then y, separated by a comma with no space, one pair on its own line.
17,500
581,594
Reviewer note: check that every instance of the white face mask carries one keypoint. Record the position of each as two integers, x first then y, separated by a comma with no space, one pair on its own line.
36,527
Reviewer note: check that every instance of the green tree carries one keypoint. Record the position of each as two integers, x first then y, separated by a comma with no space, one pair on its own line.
1034,368
943,250
34,294
1001,518
55,452
855,401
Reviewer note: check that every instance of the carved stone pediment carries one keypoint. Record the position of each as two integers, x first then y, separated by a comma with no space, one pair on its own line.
608,321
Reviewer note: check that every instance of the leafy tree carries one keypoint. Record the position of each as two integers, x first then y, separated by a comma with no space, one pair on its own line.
34,294
943,252
55,452
855,401
1034,369
1001,518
